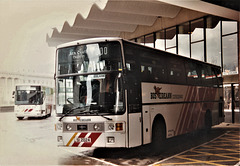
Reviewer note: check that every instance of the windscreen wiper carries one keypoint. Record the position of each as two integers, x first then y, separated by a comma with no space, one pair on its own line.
97,113
83,111
105,117
71,110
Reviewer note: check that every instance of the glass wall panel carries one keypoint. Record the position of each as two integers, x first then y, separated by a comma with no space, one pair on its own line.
171,38
140,40
229,27
198,51
188,40
184,40
149,40
171,42
172,50
197,30
230,52
160,40
213,42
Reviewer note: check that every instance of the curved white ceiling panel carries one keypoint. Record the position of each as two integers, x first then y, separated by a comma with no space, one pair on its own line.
147,8
112,17
93,24
100,22
96,14
67,29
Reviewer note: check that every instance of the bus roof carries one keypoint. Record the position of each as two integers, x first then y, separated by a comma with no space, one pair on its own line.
175,55
104,39
90,40
33,85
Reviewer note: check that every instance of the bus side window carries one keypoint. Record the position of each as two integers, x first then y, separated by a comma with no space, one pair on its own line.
217,79
176,72
207,76
146,73
193,72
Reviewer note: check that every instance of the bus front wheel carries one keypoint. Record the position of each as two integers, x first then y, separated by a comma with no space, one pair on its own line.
158,135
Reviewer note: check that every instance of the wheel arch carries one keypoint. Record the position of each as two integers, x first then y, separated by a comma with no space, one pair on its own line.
208,119
159,118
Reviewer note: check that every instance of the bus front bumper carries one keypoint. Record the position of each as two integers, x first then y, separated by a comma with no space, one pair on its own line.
33,113
91,139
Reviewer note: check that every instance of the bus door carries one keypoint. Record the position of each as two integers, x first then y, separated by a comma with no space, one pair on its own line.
134,114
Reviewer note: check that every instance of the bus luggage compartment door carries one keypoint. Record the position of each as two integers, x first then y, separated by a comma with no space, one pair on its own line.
135,131
146,125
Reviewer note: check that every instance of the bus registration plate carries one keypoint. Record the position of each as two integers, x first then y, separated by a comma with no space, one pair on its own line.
83,140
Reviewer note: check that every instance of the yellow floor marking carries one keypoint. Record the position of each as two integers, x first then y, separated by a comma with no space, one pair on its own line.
214,154
212,162
216,161
220,146
224,145
234,136
229,139
199,161
180,163
229,153
191,155
231,150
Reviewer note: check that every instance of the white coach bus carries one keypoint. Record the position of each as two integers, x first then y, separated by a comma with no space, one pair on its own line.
114,93
33,101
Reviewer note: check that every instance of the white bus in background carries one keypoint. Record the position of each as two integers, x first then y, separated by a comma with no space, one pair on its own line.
33,101
114,93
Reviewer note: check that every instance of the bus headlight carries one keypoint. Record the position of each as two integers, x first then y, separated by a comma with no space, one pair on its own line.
69,127
96,127
58,126
111,126
115,127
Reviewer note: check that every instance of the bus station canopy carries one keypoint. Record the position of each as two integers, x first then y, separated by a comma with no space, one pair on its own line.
120,17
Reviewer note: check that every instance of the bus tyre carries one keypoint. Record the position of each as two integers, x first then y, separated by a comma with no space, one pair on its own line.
208,121
49,113
20,118
158,136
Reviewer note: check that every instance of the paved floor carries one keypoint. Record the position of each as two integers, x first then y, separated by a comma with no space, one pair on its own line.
36,139
223,150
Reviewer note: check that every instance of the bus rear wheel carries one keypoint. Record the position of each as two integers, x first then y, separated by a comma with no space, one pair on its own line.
20,118
158,136
208,121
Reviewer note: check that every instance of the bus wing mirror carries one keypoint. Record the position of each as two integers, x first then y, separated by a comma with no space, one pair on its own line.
13,94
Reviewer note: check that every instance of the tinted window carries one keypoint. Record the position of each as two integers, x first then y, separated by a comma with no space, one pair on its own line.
176,71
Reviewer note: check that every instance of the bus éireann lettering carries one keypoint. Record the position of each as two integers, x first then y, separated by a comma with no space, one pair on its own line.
159,95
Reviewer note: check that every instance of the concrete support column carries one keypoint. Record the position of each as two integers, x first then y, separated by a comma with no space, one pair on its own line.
2,84
12,89
239,54
5,92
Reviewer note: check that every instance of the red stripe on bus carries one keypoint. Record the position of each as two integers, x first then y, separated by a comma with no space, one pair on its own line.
182,111
94,137
82,135
30,110
190,111
185,110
